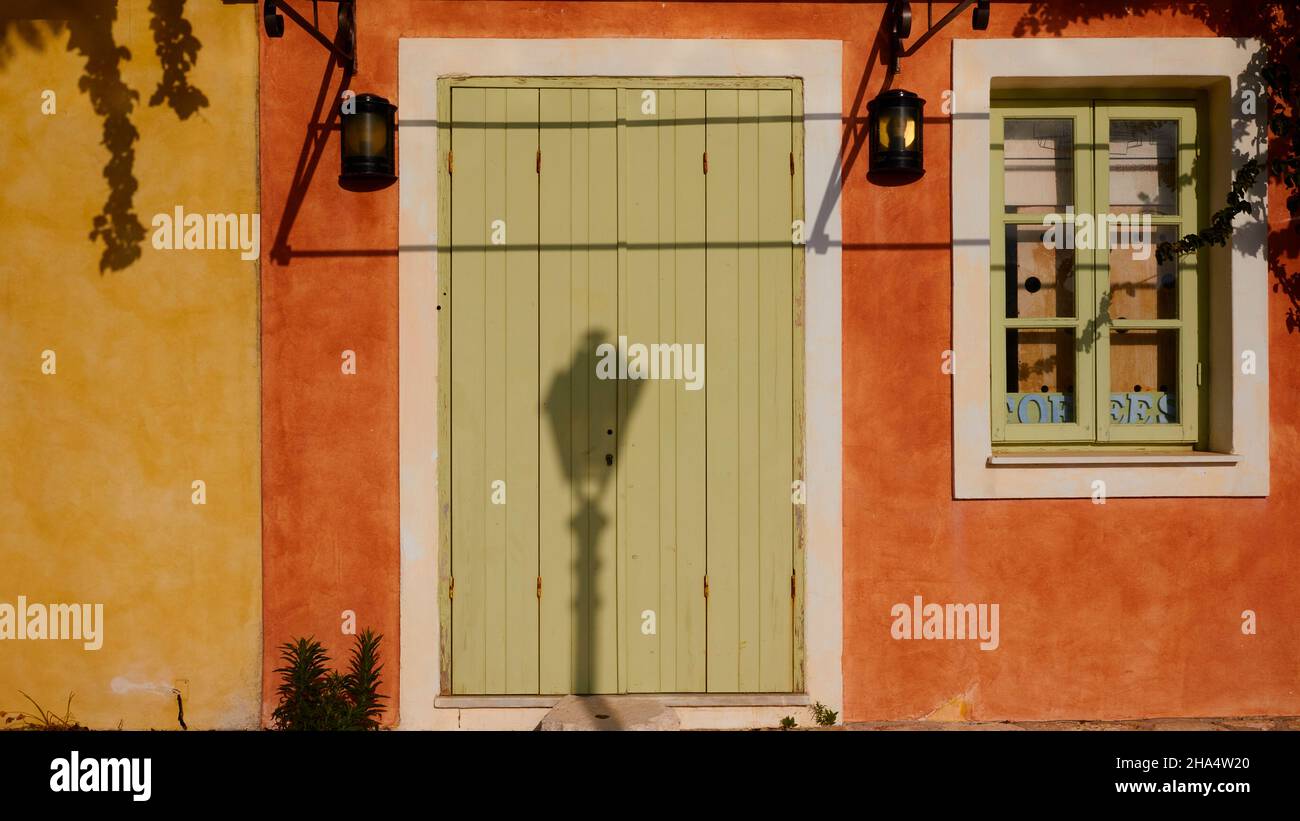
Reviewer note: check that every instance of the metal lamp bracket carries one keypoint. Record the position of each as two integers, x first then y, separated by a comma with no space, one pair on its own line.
899,31
344,44
901,27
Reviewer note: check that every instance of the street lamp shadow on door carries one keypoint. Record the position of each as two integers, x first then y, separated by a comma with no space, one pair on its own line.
590,458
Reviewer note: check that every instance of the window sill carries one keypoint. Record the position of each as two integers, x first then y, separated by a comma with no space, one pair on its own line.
1111,459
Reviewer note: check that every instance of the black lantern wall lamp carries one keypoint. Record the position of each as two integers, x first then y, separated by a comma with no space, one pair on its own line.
368,135
367,122
896,117
896,122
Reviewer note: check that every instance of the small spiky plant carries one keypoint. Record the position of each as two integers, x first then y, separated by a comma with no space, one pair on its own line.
362,681
823,715
314,697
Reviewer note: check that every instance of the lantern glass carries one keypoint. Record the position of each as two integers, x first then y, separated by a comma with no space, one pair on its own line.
367,140
366,135
896,134
897,131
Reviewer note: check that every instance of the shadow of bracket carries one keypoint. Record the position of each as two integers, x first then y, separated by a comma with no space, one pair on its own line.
344,44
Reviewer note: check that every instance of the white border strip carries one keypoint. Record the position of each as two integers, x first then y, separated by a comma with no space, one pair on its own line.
421,61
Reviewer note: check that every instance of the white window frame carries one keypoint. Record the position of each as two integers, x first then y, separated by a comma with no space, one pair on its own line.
1236,463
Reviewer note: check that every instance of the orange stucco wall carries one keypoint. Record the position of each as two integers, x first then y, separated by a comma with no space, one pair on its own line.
1131,609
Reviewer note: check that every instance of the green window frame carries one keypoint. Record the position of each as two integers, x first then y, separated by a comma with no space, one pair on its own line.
1089,413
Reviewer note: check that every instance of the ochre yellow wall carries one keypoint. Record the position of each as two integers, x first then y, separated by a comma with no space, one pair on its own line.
157,383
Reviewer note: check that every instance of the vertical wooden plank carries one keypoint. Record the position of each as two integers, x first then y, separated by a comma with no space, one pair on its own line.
797,386
723,350
443,313
584,338
775,409
747,428
519,431
602,318
495,331
561,369
639,322
468,371
690,276
622,428
586,453
669,391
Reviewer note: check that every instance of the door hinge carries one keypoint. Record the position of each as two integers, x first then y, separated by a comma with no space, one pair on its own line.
792,163
792,587
706,587
706,162
539,161
1198,374
539,587
450,164
451,588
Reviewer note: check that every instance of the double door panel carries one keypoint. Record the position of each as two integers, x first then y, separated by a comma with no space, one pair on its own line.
621,535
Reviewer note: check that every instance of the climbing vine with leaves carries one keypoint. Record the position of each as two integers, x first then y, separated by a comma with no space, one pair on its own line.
1283,124
89,26
1275,24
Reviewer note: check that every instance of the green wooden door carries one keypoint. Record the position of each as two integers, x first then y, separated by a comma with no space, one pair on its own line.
621,535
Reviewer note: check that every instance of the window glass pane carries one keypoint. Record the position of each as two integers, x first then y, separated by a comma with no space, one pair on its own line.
1040,375
1040,276
1144,376
1144,166
1038,165
1139,288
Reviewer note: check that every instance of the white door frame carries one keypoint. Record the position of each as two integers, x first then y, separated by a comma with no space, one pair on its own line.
421,61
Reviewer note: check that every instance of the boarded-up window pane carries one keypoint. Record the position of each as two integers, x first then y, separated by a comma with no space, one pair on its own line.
1040,275
1040,375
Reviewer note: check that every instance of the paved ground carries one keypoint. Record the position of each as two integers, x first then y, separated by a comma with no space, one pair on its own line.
1250,723
610,713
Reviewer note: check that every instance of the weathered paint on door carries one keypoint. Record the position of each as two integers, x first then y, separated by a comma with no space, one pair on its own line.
643,540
